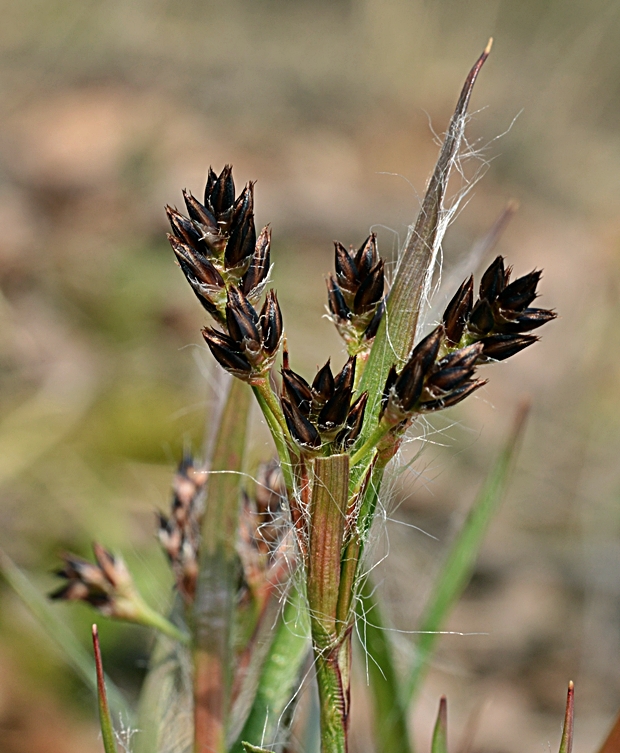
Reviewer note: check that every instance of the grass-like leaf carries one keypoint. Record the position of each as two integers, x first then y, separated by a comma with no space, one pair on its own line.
75,654
390,717
459,565
280,674
439,743
219,566
416,263
566,744
105,720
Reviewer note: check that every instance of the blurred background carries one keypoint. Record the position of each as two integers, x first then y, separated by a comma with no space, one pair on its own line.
108,109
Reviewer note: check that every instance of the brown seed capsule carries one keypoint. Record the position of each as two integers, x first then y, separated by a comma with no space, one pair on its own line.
370,292
453,398
458,310
258,271
500,347
301,429
322,386
354,422
199,213
195,264
270,324
222,191
530,319
481,319
226,353
367,257
242,241
493,280
519,294
346,271
335,299
297,390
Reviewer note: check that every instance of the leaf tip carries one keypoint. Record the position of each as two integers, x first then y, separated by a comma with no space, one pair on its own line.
487,49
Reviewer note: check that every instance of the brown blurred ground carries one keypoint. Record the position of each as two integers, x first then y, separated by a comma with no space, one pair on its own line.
110,108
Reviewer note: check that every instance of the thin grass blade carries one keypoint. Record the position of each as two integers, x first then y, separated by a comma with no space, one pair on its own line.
440,732
416,263
459,564
217,579
390,717
75,654
280,676
566,744
105,720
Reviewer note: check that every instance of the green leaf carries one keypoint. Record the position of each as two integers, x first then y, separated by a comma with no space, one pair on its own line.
397,331
216,590
459,565
281,673
166,709
566,744
105,720
76,655
390,717
440,733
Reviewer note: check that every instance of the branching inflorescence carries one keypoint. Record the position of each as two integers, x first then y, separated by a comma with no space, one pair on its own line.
334,435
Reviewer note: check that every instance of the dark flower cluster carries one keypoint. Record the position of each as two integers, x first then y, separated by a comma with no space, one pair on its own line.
441,368
106,585
216,244
179,532
227,266
355,294
323,411
500,316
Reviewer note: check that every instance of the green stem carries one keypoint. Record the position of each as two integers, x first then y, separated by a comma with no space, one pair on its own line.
333,668
373,440
151,618
263,396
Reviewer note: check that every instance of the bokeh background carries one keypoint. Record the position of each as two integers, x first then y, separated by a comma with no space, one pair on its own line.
108,109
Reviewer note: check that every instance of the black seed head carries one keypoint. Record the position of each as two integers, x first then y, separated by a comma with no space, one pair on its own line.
493,280
242,241
297,391
458,310
222,191
226,353
389,383
354,422
259,266
370,292
408,386
335,299
270,323
454,397
199,213
242,319
425,352
334,412
481,319
323,386
345,378
500,347
519,294
367,257
372,329
346,271
185,230
302,431
195,263
530,319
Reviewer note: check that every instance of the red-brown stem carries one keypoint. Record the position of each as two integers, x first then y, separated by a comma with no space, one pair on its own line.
209,709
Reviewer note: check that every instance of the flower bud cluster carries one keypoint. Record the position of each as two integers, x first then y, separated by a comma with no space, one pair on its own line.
216,244
106,585
179,532
227,266
323,412
427,382
500,317
355,294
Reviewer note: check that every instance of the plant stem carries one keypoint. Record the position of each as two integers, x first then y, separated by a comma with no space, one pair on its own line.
264,396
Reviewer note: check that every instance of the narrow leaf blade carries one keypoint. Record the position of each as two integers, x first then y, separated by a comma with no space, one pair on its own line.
76,655
566,744
440,733
397,331
105,720
390,718
461,559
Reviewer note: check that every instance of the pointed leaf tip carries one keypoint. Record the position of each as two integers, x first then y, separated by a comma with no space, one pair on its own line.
440,733
566,744
105,720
